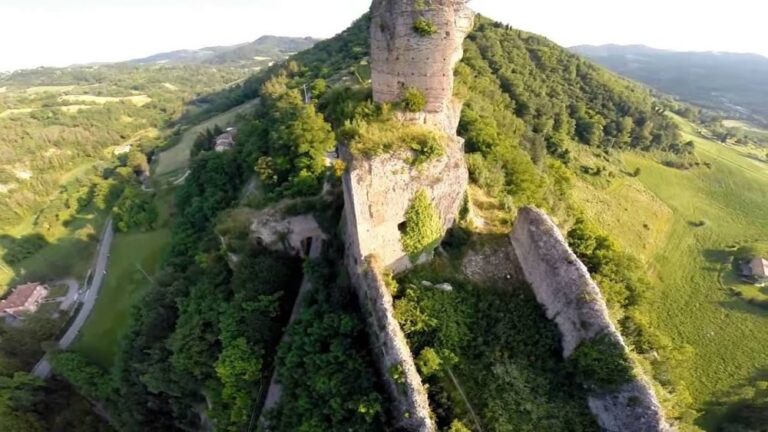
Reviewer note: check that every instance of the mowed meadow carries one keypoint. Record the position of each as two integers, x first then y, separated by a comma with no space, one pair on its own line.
685,225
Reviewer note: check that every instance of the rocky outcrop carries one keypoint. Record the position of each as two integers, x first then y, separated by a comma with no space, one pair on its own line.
563,285
402,58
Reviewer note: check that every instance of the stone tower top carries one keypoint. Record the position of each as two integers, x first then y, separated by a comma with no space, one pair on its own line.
402,57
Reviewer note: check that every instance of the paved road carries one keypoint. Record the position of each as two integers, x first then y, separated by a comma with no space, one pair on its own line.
275,388
43,368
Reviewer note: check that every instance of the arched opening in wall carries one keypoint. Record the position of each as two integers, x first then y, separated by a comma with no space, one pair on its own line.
306,247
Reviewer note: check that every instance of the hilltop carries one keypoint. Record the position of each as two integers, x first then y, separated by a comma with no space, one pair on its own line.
265,47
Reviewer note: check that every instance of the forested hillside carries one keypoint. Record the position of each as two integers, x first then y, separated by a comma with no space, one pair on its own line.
734,85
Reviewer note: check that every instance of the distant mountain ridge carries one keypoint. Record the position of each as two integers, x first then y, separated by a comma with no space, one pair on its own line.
733,83
267,47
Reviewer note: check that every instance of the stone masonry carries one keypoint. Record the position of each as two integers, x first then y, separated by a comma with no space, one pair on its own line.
563,285
401,58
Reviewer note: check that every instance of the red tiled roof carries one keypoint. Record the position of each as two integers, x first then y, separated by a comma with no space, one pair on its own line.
19,296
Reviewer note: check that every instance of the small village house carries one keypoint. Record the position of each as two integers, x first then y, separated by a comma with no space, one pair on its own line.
758,268
226,141
24,299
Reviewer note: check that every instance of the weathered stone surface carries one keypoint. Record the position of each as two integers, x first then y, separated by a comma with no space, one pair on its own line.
390,349
272,229
378,192
571,298
402,58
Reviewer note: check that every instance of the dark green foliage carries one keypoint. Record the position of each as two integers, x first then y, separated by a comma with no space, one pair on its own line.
20,397
325,368
413,100
287,142
90,380
601,364
502,349
135,209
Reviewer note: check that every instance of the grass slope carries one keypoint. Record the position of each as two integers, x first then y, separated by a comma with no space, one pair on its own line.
123,284
177,157
720,339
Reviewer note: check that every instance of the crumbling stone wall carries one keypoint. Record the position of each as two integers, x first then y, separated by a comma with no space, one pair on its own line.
402,58
390,349
563,285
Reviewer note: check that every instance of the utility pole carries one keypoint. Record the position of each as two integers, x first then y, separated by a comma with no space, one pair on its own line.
307,96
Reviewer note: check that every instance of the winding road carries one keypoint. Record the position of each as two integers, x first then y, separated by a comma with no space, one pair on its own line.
43,368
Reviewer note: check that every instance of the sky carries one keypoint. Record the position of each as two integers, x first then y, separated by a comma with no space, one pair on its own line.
64,32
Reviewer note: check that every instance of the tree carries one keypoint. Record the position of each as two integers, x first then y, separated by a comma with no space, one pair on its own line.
422,228
135,210
90,380
327,384
20,396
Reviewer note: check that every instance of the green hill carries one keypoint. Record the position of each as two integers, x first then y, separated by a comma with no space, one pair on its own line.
733,84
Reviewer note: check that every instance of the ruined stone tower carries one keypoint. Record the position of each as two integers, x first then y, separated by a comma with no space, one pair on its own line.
378,191
402,58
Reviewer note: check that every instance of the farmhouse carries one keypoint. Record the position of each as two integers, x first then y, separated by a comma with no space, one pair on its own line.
758,268
226,141
24,298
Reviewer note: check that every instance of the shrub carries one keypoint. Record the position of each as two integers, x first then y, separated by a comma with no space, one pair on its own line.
424,27
413,100
601,364
458,426
377,138
422,227
428,362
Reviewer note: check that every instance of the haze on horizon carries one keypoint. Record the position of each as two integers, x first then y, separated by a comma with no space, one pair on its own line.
64,32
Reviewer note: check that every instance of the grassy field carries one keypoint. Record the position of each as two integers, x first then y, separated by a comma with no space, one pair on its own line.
176,158
685,224
124,282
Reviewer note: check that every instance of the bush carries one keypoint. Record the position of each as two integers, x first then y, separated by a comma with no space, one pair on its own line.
428,362
424,27
413,100
377,138
601,364
422,227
